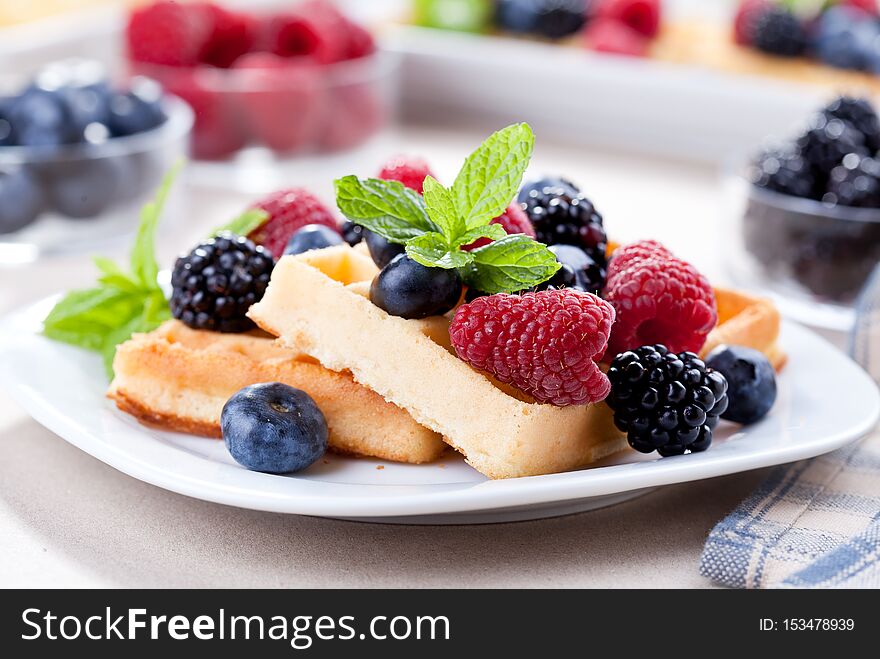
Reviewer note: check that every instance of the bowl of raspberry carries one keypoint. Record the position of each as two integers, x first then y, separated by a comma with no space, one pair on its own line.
79,156
807,212
305,79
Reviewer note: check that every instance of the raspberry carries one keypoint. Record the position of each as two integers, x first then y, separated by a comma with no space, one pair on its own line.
514,220
359,41
314,29
608,36
659,299
545,344
409,171
352,113
289,210
218,281
643,16
169,33
233,34
744,21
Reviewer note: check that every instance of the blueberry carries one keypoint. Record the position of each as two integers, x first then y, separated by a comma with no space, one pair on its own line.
547,182
20,199
39,118
381,249
408,289
516,15
6,137
137,110
274,428
87,111
312,236
846,38
751,382
589,275
352,233
83,188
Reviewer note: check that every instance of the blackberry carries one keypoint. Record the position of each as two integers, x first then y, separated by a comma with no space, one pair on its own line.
859,113
218,281
854,182
562,218
665,401
352,233
779,32
784,172
825,143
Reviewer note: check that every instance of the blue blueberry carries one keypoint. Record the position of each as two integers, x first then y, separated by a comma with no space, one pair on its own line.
382,250
518,16
751,382
846,38
408,289
312,236
83,188
274,428
589,275
137,110
6,137
567,186
39,118
20,198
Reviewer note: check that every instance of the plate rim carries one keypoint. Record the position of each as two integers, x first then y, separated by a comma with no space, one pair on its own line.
562,488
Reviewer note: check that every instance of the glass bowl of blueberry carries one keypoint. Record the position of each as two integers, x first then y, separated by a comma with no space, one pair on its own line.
807,214
302,80
79,156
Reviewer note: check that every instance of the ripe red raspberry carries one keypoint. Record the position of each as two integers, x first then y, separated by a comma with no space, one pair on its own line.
609,36
545,344
169,33
643,16
514,220
232,35
359,41
313,29
289,210
744,21
659,299
409,171
867,6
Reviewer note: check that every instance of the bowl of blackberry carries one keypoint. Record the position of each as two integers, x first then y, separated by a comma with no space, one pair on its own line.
807,210
79,155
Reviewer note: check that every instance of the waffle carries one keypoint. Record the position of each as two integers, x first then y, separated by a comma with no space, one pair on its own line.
177,378
319,302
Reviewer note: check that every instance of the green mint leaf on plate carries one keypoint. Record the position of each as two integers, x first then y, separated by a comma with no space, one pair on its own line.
122,303
490,231
432,250
511,264
249,221
492,174
384,207
440,206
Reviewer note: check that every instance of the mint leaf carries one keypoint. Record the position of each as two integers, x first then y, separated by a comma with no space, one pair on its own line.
384,207
249,221
440,207
510,264
100,318
144,268
490,231
431,250
491,175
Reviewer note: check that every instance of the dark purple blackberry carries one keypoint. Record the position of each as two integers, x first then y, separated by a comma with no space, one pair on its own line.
779,32
854,182
218,281
825,143
561,218
783,172
351,233
860,114
665,402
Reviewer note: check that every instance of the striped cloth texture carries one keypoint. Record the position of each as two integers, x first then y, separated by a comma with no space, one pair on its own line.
814,523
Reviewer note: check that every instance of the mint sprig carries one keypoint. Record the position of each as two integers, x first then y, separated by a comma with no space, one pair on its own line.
122,303
243,225
436,225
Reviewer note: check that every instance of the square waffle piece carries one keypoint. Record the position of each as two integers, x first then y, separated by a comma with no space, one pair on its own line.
177,378
318,302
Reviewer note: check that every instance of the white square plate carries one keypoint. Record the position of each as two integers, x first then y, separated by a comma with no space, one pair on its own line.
825,401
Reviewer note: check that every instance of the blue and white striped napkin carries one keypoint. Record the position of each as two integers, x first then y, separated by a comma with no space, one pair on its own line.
815,523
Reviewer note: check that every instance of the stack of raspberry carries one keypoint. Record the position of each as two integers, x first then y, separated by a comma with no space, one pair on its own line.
272,79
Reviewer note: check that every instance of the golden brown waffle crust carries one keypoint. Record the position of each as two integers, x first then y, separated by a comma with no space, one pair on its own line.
318,302
176,378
